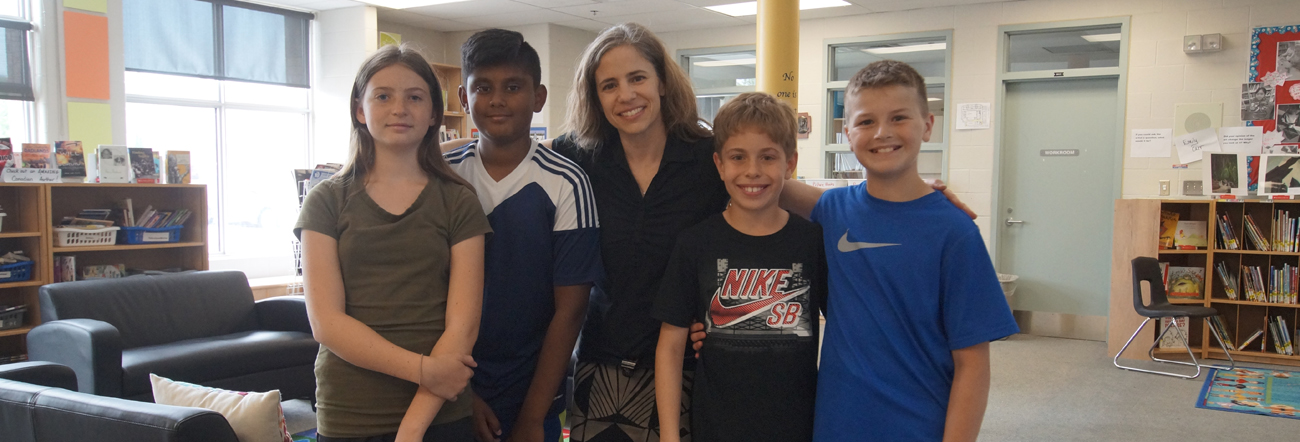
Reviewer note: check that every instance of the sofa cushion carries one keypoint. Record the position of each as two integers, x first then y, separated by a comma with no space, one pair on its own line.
155,309
207,359
255,417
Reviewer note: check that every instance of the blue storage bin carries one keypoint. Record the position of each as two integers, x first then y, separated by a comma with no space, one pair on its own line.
18,271
146,235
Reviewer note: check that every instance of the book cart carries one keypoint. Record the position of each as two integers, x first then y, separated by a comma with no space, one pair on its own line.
1137,232
31,210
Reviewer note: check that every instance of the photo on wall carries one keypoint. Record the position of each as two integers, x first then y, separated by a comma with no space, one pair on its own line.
1257,101
1288,122
1281,175
1226,173
1288,58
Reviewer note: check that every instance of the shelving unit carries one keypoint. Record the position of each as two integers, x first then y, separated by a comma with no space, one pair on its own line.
32,208
454,116
1137,230
24,228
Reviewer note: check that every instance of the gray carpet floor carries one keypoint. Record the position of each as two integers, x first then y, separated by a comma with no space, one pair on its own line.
1061,390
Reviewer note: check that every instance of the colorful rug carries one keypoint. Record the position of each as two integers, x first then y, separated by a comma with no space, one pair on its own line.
1252,391
306,436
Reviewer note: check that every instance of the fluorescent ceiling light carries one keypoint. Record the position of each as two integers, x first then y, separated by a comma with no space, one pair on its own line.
907,48
719,63
751,8
933,99
1102,37
403,4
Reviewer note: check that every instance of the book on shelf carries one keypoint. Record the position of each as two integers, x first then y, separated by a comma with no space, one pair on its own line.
103,271
65,268
37,156
1221,329
1253,336
6,153
1170,339
71,160
1227,236
178,167
1284,337
1229,281
1168,225
1190,235
1255,235
113,164
1282,284
1284,231
1186,282
142,165
12,358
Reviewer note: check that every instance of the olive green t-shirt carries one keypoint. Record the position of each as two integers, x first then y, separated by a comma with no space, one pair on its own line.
395,274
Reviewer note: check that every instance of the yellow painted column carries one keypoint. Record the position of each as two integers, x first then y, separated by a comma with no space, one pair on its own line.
778,49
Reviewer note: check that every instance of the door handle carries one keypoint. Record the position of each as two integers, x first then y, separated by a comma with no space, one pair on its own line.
1011,221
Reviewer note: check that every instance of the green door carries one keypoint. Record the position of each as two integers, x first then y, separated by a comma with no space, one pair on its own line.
1056,193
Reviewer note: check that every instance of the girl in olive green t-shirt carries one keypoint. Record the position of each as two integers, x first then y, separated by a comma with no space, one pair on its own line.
393,267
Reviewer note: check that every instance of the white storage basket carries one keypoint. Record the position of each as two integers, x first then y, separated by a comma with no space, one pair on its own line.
77,237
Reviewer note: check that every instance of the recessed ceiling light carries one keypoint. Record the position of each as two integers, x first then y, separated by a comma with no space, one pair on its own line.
933,99
404,4
1102,37
907,48
719,63
751,8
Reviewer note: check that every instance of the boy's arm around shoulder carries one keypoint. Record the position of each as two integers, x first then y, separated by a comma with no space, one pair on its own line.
668,379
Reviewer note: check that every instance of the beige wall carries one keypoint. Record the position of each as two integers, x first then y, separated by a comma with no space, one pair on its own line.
431,44
1159,76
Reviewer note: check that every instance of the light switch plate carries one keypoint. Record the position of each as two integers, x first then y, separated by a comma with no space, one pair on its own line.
1164,187
1192,188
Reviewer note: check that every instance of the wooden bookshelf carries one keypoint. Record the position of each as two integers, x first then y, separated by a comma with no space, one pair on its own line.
32,209
1137,234
449,77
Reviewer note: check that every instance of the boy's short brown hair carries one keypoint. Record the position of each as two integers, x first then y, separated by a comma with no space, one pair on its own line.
760,112
885,73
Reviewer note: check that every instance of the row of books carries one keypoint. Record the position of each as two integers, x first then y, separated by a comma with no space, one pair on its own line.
1227,236
1188,235
65,269
114,164
151,218
1282,286
1256,235
1282,342
1285,229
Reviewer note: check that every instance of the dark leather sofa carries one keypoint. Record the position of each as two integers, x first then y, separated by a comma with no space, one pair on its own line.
36,406
200,327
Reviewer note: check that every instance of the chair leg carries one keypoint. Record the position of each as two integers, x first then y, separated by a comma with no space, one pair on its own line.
1151,354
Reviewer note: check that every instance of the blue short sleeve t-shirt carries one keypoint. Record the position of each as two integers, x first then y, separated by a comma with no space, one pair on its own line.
545,234
909,283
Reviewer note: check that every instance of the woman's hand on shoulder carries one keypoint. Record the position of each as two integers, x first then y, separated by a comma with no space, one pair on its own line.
446,375
939,186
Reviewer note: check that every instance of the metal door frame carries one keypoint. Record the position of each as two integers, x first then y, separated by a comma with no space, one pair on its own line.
1005,78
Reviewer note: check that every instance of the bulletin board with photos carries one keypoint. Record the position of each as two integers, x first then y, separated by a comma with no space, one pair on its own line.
1271,96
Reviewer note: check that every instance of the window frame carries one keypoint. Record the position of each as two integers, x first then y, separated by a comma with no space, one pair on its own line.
217,250
829,149
25,20
683,60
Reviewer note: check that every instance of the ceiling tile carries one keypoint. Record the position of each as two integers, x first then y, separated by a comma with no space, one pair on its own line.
558,3
625,7
325,5
585,24
475,8
839,11
517,18
710,2
677,21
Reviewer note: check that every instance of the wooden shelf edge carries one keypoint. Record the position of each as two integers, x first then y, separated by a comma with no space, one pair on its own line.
118,247
1257,354
20,234
15,331
28,283
1261,304
1183,252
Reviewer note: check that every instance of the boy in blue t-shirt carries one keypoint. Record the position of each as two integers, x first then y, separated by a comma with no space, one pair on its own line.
914,299
543,255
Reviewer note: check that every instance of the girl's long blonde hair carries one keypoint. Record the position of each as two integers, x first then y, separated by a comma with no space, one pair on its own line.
586,119
361,158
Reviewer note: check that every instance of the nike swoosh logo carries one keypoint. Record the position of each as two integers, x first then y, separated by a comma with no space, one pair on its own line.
723,316
847,246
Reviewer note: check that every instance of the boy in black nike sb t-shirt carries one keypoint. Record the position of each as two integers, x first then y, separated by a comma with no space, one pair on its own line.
755,276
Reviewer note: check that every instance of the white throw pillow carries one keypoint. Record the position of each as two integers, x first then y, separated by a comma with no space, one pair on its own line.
255,417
